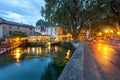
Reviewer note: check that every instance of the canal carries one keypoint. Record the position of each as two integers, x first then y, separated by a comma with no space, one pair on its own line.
33,63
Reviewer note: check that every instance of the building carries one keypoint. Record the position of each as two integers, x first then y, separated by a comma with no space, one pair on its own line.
47,30
40,29
55,32
8,27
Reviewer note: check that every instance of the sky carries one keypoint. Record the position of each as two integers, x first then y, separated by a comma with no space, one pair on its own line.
21,11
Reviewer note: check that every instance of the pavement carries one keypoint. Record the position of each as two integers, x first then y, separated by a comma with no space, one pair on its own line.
114,43
83,65
91,69
106,55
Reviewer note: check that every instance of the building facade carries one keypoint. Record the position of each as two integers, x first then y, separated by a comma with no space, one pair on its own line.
51,31
7,28
55,32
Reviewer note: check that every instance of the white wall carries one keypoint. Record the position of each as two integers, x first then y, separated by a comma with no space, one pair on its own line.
52,31
38,29
1,31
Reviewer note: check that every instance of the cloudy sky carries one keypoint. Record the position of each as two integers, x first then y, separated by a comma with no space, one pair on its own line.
22,11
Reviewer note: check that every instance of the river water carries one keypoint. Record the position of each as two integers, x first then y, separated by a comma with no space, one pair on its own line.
33,63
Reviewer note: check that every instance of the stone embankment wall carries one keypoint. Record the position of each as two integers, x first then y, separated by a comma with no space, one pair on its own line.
74,69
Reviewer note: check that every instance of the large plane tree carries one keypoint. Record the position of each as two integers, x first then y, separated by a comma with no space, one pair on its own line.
72,15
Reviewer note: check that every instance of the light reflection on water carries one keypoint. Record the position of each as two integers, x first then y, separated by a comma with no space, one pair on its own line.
68,54
28,63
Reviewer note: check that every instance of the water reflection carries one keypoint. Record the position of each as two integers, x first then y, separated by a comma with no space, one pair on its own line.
33,62
17,54
56,48
103,53
28,50
68,54
33,50
104,50
106,58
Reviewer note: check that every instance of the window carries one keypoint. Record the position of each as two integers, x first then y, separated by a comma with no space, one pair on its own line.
30,28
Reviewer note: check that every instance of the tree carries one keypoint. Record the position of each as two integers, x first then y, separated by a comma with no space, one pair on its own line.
115,10
109,14
18,34
72,15
42,22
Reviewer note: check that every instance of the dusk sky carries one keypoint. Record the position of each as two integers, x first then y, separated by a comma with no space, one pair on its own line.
21,11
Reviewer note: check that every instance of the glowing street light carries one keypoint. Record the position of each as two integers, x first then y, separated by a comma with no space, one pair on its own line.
106,31
109,33
118,33
99,33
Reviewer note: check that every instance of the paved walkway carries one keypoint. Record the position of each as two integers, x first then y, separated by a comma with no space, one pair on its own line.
81,65
91,69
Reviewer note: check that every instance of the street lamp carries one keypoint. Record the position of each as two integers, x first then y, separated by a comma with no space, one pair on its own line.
109,33
99,33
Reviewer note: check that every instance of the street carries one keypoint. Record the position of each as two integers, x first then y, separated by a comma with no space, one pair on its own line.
107,58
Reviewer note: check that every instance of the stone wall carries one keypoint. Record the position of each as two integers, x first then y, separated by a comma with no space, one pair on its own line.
74,69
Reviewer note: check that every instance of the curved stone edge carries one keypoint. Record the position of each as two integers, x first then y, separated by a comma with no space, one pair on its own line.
74,68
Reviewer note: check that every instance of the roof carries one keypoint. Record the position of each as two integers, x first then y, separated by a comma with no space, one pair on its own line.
14,23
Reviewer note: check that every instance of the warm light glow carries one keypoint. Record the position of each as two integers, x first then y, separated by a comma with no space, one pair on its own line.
111,31
37,51
17,39
104,50
33,50
49,46
40,50
99,33
118,33
68,54
103,54
55,48
106,31
105,57
28,50
17,55
48,43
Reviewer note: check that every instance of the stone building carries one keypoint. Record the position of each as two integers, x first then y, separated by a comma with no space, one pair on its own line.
8,27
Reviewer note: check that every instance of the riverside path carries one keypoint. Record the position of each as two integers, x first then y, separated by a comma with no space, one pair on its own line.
107,59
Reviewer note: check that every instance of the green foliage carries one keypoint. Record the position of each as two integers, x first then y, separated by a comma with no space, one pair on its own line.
42,22
68,45
55,68
18,33
71,15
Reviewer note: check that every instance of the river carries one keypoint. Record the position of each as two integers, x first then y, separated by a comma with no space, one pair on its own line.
33,63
